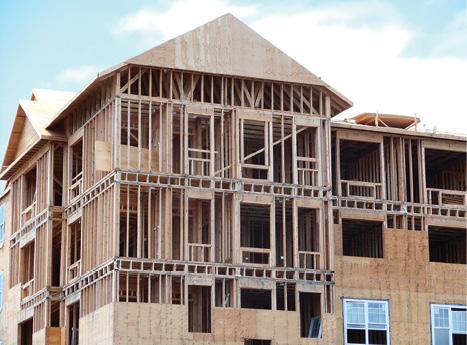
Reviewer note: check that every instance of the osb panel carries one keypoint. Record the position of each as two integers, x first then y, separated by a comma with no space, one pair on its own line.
97,327
55,335
142,323
231,324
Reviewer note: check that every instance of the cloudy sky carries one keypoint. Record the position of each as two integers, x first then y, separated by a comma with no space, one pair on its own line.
391,56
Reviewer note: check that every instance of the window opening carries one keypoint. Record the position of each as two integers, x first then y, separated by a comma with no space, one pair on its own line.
362,238
310,315
447,245
199,309
256,299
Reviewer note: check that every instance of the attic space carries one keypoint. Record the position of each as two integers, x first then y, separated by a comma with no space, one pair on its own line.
447,245
362,238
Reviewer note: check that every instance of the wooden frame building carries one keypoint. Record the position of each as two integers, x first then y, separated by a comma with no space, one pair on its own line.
199,193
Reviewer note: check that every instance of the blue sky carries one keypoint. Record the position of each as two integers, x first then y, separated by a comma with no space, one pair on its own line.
399,56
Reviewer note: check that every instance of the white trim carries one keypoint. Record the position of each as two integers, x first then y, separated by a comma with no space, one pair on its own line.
449,327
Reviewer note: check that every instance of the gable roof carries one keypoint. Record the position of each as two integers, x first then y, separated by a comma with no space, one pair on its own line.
224,46
229,47
29,127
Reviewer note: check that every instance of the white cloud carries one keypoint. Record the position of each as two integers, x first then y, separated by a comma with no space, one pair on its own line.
76,77
182,16
365,64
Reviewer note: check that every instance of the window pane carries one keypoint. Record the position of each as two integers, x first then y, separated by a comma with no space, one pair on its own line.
441,337
459,321
355,336
377,337
441,318
355,312
376,313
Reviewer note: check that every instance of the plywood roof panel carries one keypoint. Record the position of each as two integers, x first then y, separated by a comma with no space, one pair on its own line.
229,47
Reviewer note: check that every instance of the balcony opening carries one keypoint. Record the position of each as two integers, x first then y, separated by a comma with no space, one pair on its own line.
308,243
360,169
134,222
255,233
362,238
285,296
282,149
199,145
25,332
445,177
447,245
254,159
310,315
255,299
58,176
74,250
199,309
76,173
199,230
307,158
29,195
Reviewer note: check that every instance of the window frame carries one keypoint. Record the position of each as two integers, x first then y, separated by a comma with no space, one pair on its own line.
450,308
366,322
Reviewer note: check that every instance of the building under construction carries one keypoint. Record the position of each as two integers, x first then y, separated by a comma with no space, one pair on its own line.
201,193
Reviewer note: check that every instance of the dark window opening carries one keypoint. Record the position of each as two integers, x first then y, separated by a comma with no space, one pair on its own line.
445,169
310,315
25,332
447,245
257,342
199,309
56,254
362,238
255,299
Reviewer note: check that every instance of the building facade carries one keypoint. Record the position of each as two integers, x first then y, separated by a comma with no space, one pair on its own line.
199,193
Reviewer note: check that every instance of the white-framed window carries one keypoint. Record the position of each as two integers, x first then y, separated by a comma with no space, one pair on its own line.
2,224
366,321
448,324
1,292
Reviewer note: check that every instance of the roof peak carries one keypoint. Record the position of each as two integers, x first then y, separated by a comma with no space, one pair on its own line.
227,46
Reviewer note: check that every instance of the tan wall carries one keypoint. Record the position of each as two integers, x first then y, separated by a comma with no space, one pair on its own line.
145,323
405,277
